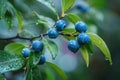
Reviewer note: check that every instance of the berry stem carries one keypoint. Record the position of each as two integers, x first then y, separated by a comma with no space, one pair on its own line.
66,34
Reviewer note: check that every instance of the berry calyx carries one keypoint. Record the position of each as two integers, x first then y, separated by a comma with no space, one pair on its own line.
37,45
26,52
60,25
53,33
42,59
81,26
73,45
83,38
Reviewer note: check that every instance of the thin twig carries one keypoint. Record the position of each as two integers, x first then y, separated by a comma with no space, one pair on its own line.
25,38
40,36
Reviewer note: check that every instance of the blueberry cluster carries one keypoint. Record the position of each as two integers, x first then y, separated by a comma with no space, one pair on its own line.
37,46
73,45
82,38
54,32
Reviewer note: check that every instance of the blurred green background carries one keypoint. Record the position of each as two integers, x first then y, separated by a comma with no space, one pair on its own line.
105,16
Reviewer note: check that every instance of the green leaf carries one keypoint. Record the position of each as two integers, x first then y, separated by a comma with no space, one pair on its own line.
36,58
52,47
69,31
66,5
99,42
19,18
49,74
50,5
47,22
9,19
33,71
85,54
59,71
89,47
14,48
28,75
2,8
36,73
7,13
10,62
33,59
73,18
7,6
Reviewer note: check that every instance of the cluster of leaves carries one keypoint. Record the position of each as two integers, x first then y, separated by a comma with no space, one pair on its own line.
11,58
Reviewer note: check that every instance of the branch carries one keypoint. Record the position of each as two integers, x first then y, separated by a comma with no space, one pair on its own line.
25,38
40,36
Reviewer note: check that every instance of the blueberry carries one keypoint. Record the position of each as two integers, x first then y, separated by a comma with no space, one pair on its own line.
81,26
37,46
42,59
60,25
73,45
83,38
25,52
53,33
82,7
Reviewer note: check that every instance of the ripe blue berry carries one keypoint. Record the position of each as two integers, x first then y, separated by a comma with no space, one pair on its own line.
83,38
25,52
37,46
42,59
81,26
53,33
82,7
73,45
60,25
